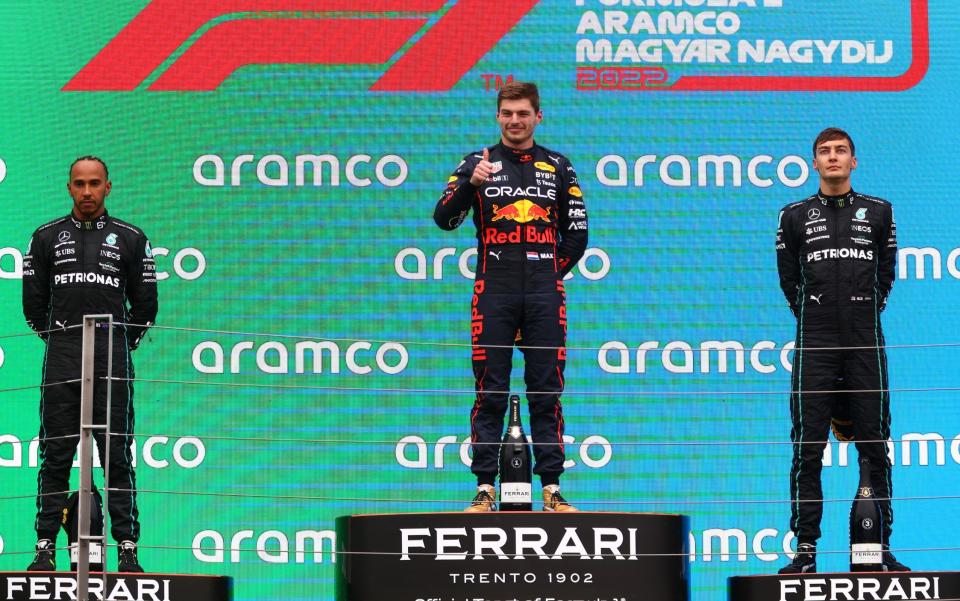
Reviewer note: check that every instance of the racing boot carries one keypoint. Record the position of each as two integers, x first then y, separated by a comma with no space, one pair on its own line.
890,563
804,562
554,501
484,501
127,557
46,557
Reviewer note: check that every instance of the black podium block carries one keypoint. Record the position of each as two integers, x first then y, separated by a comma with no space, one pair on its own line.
517,555
57,586
846,586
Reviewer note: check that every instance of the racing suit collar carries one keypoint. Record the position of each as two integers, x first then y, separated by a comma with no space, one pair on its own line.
836,201
518,156
95,224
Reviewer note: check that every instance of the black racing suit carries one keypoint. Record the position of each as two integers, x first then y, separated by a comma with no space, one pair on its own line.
836,258
74,268
531,230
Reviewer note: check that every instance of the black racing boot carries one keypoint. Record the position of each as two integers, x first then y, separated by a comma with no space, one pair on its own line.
46,557
804,562
890,563
127,557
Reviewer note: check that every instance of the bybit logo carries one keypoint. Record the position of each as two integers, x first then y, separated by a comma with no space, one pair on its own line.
435,61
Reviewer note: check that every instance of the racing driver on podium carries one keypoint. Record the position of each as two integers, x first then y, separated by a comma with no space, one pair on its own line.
836,252
531,230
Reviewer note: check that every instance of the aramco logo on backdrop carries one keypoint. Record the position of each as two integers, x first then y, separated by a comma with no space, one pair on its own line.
247,32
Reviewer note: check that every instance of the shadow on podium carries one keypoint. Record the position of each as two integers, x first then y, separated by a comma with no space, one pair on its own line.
846,586
513,555
56,586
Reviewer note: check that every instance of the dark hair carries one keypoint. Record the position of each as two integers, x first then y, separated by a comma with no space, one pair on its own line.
518,90
89,157
829,135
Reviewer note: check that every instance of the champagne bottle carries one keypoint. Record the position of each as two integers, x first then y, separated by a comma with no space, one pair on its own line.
515,490
866,526
69,522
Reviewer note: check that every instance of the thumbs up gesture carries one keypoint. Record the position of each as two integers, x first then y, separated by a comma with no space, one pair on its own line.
483,170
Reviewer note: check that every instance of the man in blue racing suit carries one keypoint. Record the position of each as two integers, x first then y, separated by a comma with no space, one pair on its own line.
531,230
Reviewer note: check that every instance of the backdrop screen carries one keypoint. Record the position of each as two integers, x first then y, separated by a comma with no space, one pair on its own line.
313,361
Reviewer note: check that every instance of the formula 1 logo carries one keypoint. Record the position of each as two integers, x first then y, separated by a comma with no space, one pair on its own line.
436,61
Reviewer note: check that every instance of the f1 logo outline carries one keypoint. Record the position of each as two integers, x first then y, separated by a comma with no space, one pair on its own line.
436,61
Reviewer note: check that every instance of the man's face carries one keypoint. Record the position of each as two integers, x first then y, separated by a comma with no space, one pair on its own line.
88,186
834,161
517,121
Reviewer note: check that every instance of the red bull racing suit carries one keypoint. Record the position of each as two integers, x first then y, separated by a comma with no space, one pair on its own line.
531,230
73,268
836,258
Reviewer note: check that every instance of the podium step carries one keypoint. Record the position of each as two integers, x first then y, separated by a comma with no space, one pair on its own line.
846,586
56,586
513,555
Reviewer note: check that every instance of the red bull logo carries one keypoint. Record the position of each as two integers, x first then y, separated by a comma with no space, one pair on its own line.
522,211
476,322
528,233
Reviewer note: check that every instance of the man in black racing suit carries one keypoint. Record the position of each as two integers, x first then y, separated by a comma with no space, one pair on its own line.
87,263
836,253
532,229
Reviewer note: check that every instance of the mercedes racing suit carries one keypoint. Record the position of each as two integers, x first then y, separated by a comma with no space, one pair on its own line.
836,258
73,268
531,230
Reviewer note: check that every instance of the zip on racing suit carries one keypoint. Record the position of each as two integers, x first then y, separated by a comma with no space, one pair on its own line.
836,258
74,268
531,230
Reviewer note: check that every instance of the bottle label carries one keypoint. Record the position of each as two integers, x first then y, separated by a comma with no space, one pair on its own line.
516,492
96,553
866,553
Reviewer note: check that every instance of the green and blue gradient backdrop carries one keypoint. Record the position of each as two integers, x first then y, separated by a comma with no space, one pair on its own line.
688,264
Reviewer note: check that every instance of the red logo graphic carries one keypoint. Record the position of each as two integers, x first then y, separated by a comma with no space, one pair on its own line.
620,78
527,233
435,62
521,211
